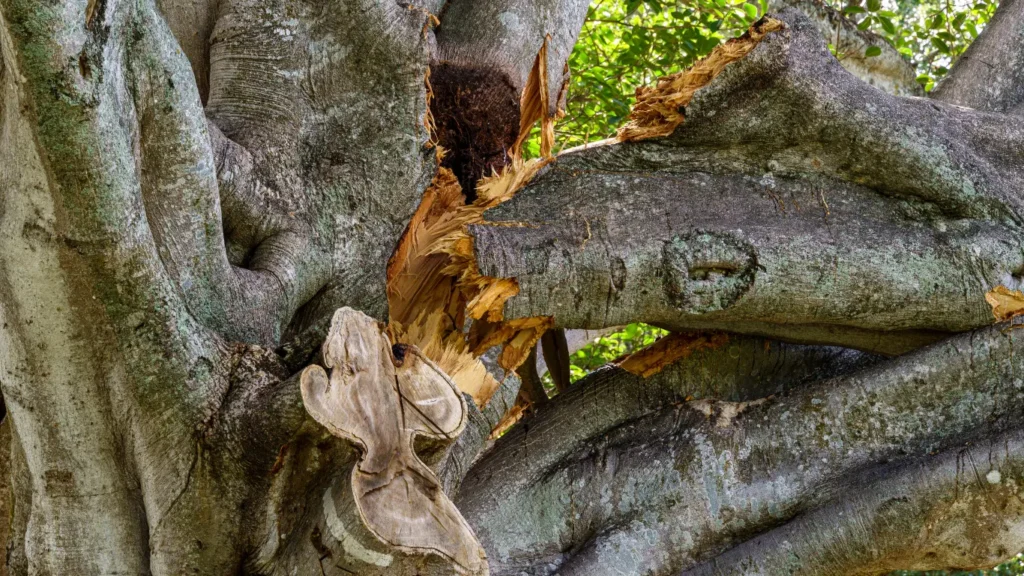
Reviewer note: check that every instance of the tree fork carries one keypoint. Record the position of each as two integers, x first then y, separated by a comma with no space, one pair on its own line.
152,261
486,53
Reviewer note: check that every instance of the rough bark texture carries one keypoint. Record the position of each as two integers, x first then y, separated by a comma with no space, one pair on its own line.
888,71
988,75
190,191
795,202
643,481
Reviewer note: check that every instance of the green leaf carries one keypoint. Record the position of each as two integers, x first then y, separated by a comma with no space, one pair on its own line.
887,25
872,51
751,11
851,10
874,5
940,45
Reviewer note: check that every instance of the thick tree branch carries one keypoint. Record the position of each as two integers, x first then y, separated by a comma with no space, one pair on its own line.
957,510
795,202
889,71
673,487
990,74
113,249
102,340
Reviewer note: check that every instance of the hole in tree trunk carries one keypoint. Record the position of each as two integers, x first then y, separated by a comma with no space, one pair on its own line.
476,113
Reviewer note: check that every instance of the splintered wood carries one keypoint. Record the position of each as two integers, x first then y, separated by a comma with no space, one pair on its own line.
658,110
666,351
535,104
434,284
382,398
1006,304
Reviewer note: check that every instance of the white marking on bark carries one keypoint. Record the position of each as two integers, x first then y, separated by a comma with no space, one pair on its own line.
994,477
348,542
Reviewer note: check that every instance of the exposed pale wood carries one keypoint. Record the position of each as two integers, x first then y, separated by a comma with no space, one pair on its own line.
434,284
659,108
382,398
669,350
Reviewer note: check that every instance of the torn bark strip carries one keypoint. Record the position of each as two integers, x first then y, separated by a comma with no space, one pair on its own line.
535,105
654,358
434,284
658,110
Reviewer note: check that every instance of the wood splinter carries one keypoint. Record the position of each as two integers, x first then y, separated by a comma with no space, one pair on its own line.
381,397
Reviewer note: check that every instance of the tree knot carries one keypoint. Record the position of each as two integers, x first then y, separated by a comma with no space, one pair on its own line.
707,271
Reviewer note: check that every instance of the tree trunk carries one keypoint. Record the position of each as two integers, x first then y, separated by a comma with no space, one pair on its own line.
192,190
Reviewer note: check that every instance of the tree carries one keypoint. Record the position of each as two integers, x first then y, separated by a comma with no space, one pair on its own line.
191,191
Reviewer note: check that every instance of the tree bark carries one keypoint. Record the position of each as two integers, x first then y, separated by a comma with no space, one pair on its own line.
650,482
190,192
806,225
889,71
988,75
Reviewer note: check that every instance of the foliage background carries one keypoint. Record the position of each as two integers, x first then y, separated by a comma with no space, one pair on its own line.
629,43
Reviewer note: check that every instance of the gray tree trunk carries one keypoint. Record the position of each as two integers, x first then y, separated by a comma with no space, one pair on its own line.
191,189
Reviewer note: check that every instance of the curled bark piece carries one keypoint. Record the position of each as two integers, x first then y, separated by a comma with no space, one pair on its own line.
534,105
381,398
672,348
1006,303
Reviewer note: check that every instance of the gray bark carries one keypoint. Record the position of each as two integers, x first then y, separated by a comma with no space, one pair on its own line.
988,75
622,475
190,191
805,224
889,71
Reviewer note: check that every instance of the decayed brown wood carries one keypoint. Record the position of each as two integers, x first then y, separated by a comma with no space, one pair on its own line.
382,397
